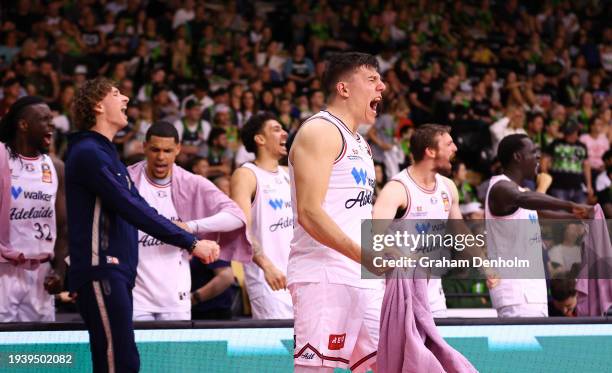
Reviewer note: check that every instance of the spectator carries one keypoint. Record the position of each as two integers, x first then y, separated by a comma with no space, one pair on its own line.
299,68
563,297
597,143
535,129
11,90
421,98
567,253
218,154
570,168
512,122
193,132
212,290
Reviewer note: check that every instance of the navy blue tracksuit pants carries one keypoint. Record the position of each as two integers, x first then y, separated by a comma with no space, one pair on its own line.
106,307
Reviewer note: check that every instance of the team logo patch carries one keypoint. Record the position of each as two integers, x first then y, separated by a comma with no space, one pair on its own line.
46,173
162,194
433,200
445,201
29,167
336,341
112,260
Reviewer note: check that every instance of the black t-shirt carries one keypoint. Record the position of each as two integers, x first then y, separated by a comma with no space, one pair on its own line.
567,164
201,274
424,92
300,68
481,108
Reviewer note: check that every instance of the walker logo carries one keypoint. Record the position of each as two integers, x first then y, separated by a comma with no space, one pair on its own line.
276,204
361,176
336,341
422,228
16,192
533,218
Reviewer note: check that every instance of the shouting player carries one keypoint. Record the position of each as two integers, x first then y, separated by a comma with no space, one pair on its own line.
332,184
32,214
105,212
261,189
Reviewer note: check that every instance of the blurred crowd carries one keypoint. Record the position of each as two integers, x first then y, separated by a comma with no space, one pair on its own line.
486,68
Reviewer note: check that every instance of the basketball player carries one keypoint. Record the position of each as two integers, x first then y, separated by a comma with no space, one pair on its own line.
104,213
513,230
261,189
336,312
32,214
163,281
419,192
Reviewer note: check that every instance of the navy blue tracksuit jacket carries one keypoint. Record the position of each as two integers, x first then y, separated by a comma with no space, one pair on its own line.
105,212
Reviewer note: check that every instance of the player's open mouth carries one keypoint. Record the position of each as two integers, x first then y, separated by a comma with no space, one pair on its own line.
48,138
374,104
124,110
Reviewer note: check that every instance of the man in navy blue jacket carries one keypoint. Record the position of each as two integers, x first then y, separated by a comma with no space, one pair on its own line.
105,212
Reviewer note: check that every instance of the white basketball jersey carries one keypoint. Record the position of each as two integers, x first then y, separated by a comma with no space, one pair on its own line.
272,226
348,200
163,281
34,186
516,235
424,205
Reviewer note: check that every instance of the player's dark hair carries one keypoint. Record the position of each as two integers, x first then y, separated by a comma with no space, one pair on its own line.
253,127
8,124
426,136
86,98
341,64
508,146
162,129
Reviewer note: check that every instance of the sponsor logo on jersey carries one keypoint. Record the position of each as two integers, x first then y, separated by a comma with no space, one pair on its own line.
433,200
282,223
364,197
162,194
46,173
422,228
355,156
279,204
445,201
533,218
15,192
308,355
336,341
32,213
112,260
360,176
36,196
28,167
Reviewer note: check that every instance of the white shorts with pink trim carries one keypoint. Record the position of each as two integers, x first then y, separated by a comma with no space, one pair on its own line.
336,325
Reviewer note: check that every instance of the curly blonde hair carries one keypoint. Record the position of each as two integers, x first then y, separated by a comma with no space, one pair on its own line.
85,99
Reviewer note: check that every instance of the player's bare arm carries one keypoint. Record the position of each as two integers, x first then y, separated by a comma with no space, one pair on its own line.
243,187
505,198
313,153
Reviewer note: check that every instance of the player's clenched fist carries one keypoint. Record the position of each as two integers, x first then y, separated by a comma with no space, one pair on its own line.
207,251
